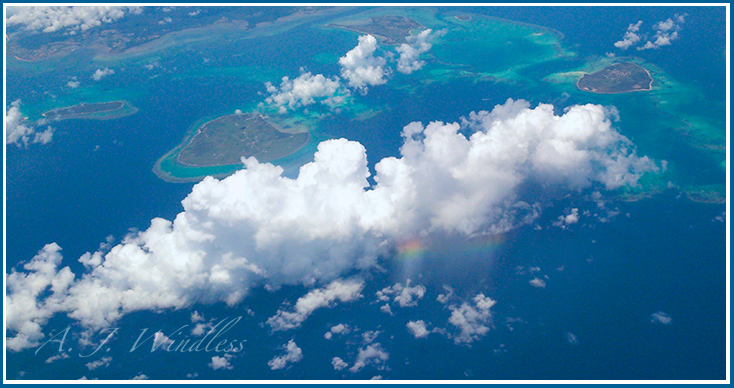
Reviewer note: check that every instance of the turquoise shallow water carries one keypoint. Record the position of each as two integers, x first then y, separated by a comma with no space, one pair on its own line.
668,255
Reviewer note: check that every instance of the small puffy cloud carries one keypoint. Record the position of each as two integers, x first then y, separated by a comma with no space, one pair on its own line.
537,283
471,320
73,83
369,336
338,363
56,18
221,362
572,339
405,296
568,219
140,377
665,32
343,291
372,354
61,356
361,68
305,90
386,309
102,362
292,354
337,329
20,132
418,329
101,73
661,317
196,317
409,59
630,37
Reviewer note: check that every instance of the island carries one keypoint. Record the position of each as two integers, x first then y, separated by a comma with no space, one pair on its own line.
617,78
92,111
392,29
225,140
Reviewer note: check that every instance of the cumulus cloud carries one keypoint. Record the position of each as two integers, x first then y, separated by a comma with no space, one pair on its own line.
630,37
572,339
101,73
221,362
78,18
361,68
665,32
661,317
471,320
292,355
409,59
372,354
568,219
102,362
537,283
338,363
343,291
305,90
337,329
20,132
418,329
405,296
257,227
73,83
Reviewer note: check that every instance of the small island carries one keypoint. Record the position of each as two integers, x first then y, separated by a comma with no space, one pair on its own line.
225,140
617,78
393,29
92,111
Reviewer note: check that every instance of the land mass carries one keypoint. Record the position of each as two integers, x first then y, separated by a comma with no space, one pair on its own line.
225,140
393,29
617,78
94,111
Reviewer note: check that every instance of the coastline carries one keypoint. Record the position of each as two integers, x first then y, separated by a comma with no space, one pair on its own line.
649,86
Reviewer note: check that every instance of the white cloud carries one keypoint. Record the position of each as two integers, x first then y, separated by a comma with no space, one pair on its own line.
338,329
292,354
409,59
630,37
418,329
346,291
102,362
140,377
20,132
257,227
361,68
50,19
661,317
537,283
101,73
369,336
60,356
371,354
405,296
73,83
665,32
338,363
221,362
472,320
568,219
305,90
386,309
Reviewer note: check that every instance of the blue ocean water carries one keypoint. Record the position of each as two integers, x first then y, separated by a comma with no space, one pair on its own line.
611,283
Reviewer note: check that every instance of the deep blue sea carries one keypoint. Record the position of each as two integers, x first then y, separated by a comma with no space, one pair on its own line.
664,253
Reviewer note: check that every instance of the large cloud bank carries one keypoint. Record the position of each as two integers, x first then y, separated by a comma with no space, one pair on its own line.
258,227
55,18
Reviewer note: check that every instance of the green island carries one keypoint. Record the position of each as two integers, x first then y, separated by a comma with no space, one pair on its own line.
393,29
225,140
617,78
93,111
